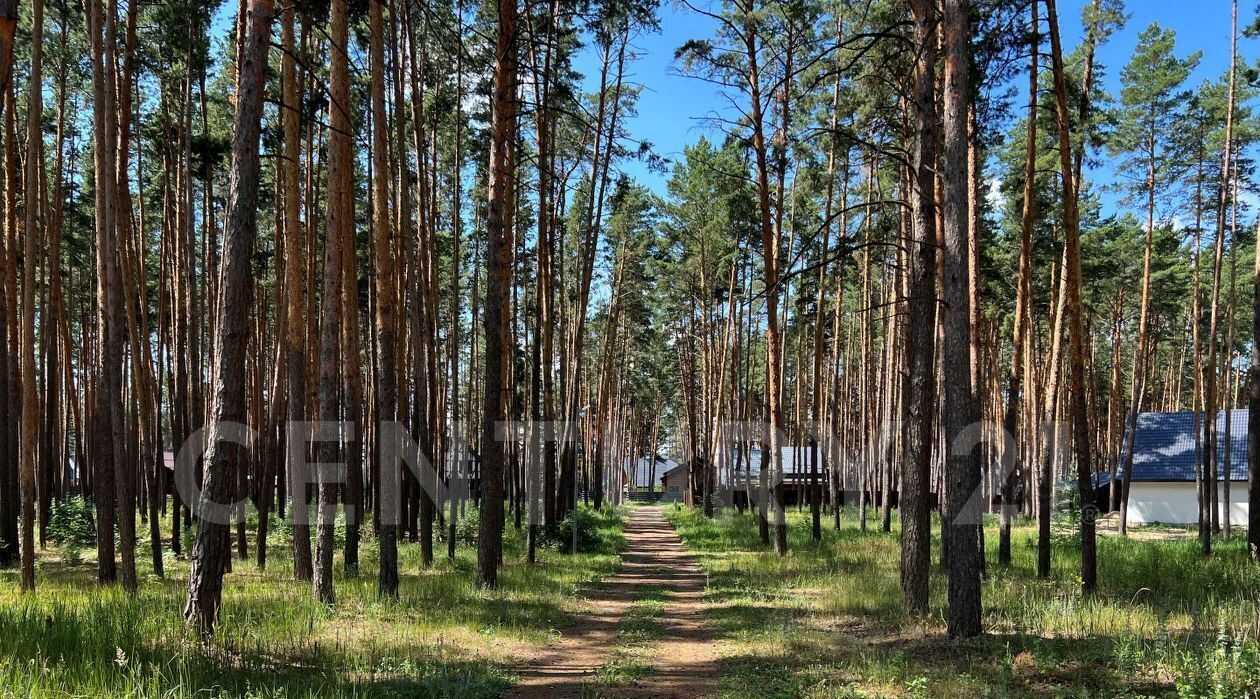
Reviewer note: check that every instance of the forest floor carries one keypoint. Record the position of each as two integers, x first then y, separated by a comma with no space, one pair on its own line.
1109,525
826,621
638,614
445,639
645,634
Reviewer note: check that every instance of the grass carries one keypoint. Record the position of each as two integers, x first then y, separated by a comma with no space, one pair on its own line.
826,620
637,630
641,624
445,638
620,670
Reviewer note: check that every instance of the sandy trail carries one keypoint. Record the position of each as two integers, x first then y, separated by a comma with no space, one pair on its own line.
684,659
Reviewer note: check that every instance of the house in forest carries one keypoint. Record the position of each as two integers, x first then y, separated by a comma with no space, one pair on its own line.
168,463
743,470
1163,488
675,484
645,471
794,486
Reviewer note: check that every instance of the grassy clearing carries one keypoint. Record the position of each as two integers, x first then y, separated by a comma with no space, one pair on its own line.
827,620
446,638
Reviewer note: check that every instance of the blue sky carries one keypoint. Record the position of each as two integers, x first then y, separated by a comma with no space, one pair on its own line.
672,106
1202,25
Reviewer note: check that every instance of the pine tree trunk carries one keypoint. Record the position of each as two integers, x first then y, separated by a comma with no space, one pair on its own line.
383,251
772,458
295,338
917,432
820,322
8,417
499,228
108,442
1011,464
1253,417
962,461
32,204
1209,513
1230,372
125,310
542,468
459,450
1075,320
340,223
225,458
60,351
352,383
8,28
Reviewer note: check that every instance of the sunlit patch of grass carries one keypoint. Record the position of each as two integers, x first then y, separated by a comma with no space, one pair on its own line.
827,620
621,670
445,638
641,624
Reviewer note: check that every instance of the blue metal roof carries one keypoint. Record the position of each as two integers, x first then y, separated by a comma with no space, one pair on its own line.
1164,447
795,461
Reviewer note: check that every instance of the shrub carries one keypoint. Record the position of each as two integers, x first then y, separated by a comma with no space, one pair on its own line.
71,526
589,537
1067,497
466,527
558,537
1230,667
189,536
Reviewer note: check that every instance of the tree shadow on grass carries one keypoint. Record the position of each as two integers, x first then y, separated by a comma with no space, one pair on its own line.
749,620
932,665
1020,664
274,639
1146,581
114,649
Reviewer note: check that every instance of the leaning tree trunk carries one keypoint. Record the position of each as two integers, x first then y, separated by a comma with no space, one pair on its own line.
224,458
1079,407
1011,465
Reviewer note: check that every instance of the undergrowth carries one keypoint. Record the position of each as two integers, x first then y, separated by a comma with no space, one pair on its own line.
827,620
446,637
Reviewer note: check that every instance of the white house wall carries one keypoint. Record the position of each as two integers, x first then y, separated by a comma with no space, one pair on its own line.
1177,503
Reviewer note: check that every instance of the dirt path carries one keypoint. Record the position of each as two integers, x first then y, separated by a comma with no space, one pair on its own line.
682,660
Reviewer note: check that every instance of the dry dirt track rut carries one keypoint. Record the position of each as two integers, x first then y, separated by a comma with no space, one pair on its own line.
684,659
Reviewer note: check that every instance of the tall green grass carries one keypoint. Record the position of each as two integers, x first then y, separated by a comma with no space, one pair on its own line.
445,638
829,621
